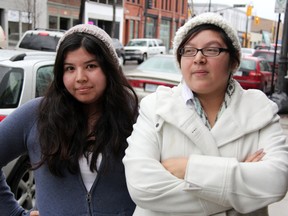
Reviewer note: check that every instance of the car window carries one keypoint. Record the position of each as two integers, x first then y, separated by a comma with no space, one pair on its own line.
11,82
160,42
137,43
265,66
41,42
247,64
44,77
151,44
163,65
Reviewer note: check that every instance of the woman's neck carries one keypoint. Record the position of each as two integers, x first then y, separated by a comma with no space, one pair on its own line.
211,104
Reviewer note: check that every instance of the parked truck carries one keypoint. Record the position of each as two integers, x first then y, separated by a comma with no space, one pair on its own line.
142,48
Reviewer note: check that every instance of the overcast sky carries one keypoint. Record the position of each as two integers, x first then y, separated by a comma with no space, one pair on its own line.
262,8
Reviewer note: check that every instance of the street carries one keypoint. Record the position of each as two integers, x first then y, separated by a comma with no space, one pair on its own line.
281,208
129,65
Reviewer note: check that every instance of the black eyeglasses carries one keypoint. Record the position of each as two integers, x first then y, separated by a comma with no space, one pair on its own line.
206,51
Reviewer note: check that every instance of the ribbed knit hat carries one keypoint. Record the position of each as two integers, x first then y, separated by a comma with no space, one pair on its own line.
94,31
206,18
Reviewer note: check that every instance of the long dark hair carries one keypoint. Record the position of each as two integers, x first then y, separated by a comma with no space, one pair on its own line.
63,124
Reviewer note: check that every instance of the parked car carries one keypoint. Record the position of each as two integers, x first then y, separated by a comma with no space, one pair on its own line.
119,50
269,56
141,49
40,39
22,77
155,71
2,38
247,51
6,54
255,73
267,47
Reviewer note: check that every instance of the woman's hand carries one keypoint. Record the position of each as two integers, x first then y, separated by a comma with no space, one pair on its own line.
256,156
34,213
176,166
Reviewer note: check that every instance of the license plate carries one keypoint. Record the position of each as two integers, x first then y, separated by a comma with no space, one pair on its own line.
127,57
150,87
238,73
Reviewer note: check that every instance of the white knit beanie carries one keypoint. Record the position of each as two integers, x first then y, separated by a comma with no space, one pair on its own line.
94,31
206,18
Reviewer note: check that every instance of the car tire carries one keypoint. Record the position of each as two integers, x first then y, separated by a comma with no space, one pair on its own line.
144,58
22,185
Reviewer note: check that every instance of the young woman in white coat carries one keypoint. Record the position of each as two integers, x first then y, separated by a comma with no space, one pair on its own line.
207,146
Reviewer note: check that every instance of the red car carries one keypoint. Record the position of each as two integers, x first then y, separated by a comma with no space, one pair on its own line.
269,56
255,73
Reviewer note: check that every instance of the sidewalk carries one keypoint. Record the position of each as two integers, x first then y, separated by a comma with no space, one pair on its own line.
281,208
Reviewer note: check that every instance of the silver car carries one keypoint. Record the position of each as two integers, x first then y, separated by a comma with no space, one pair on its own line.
155,71
23,76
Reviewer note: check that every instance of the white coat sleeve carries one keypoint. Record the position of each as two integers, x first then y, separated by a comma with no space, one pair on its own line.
244,186
150,185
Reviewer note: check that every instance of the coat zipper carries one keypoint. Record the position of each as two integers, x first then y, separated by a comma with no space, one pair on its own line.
88,198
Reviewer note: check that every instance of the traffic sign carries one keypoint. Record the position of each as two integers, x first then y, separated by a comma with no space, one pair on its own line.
280,6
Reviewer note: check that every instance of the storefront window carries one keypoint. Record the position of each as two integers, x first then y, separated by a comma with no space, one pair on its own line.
137,28
165,32
150,27
131,29
53,22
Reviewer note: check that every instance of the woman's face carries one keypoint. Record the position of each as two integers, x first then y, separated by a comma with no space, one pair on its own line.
206,75
83,76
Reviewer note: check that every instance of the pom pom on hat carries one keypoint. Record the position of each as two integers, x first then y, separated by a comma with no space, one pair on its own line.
94,31
206,18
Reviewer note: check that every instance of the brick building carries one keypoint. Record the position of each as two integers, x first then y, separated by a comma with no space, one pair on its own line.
153,19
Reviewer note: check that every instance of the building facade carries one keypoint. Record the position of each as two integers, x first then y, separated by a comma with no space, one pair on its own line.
105,13
153,19
122,19
252,30
17,16
62,14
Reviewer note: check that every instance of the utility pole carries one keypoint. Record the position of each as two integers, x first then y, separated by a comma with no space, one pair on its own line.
81,12
282,71
113,19
280,97
209,7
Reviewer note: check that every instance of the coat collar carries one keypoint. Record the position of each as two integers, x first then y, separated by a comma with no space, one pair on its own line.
249,111
172,108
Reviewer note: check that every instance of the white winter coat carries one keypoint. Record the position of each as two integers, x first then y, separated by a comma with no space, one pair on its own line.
216,178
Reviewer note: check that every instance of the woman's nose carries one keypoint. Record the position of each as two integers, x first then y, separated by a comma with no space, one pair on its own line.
199,58
80,75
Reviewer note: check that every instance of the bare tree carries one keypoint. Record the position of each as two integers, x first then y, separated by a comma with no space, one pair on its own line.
30,7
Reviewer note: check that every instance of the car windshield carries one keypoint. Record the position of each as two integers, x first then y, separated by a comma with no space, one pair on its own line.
137,43
266,55
247,50
160,64
247,64
11,82
40,42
